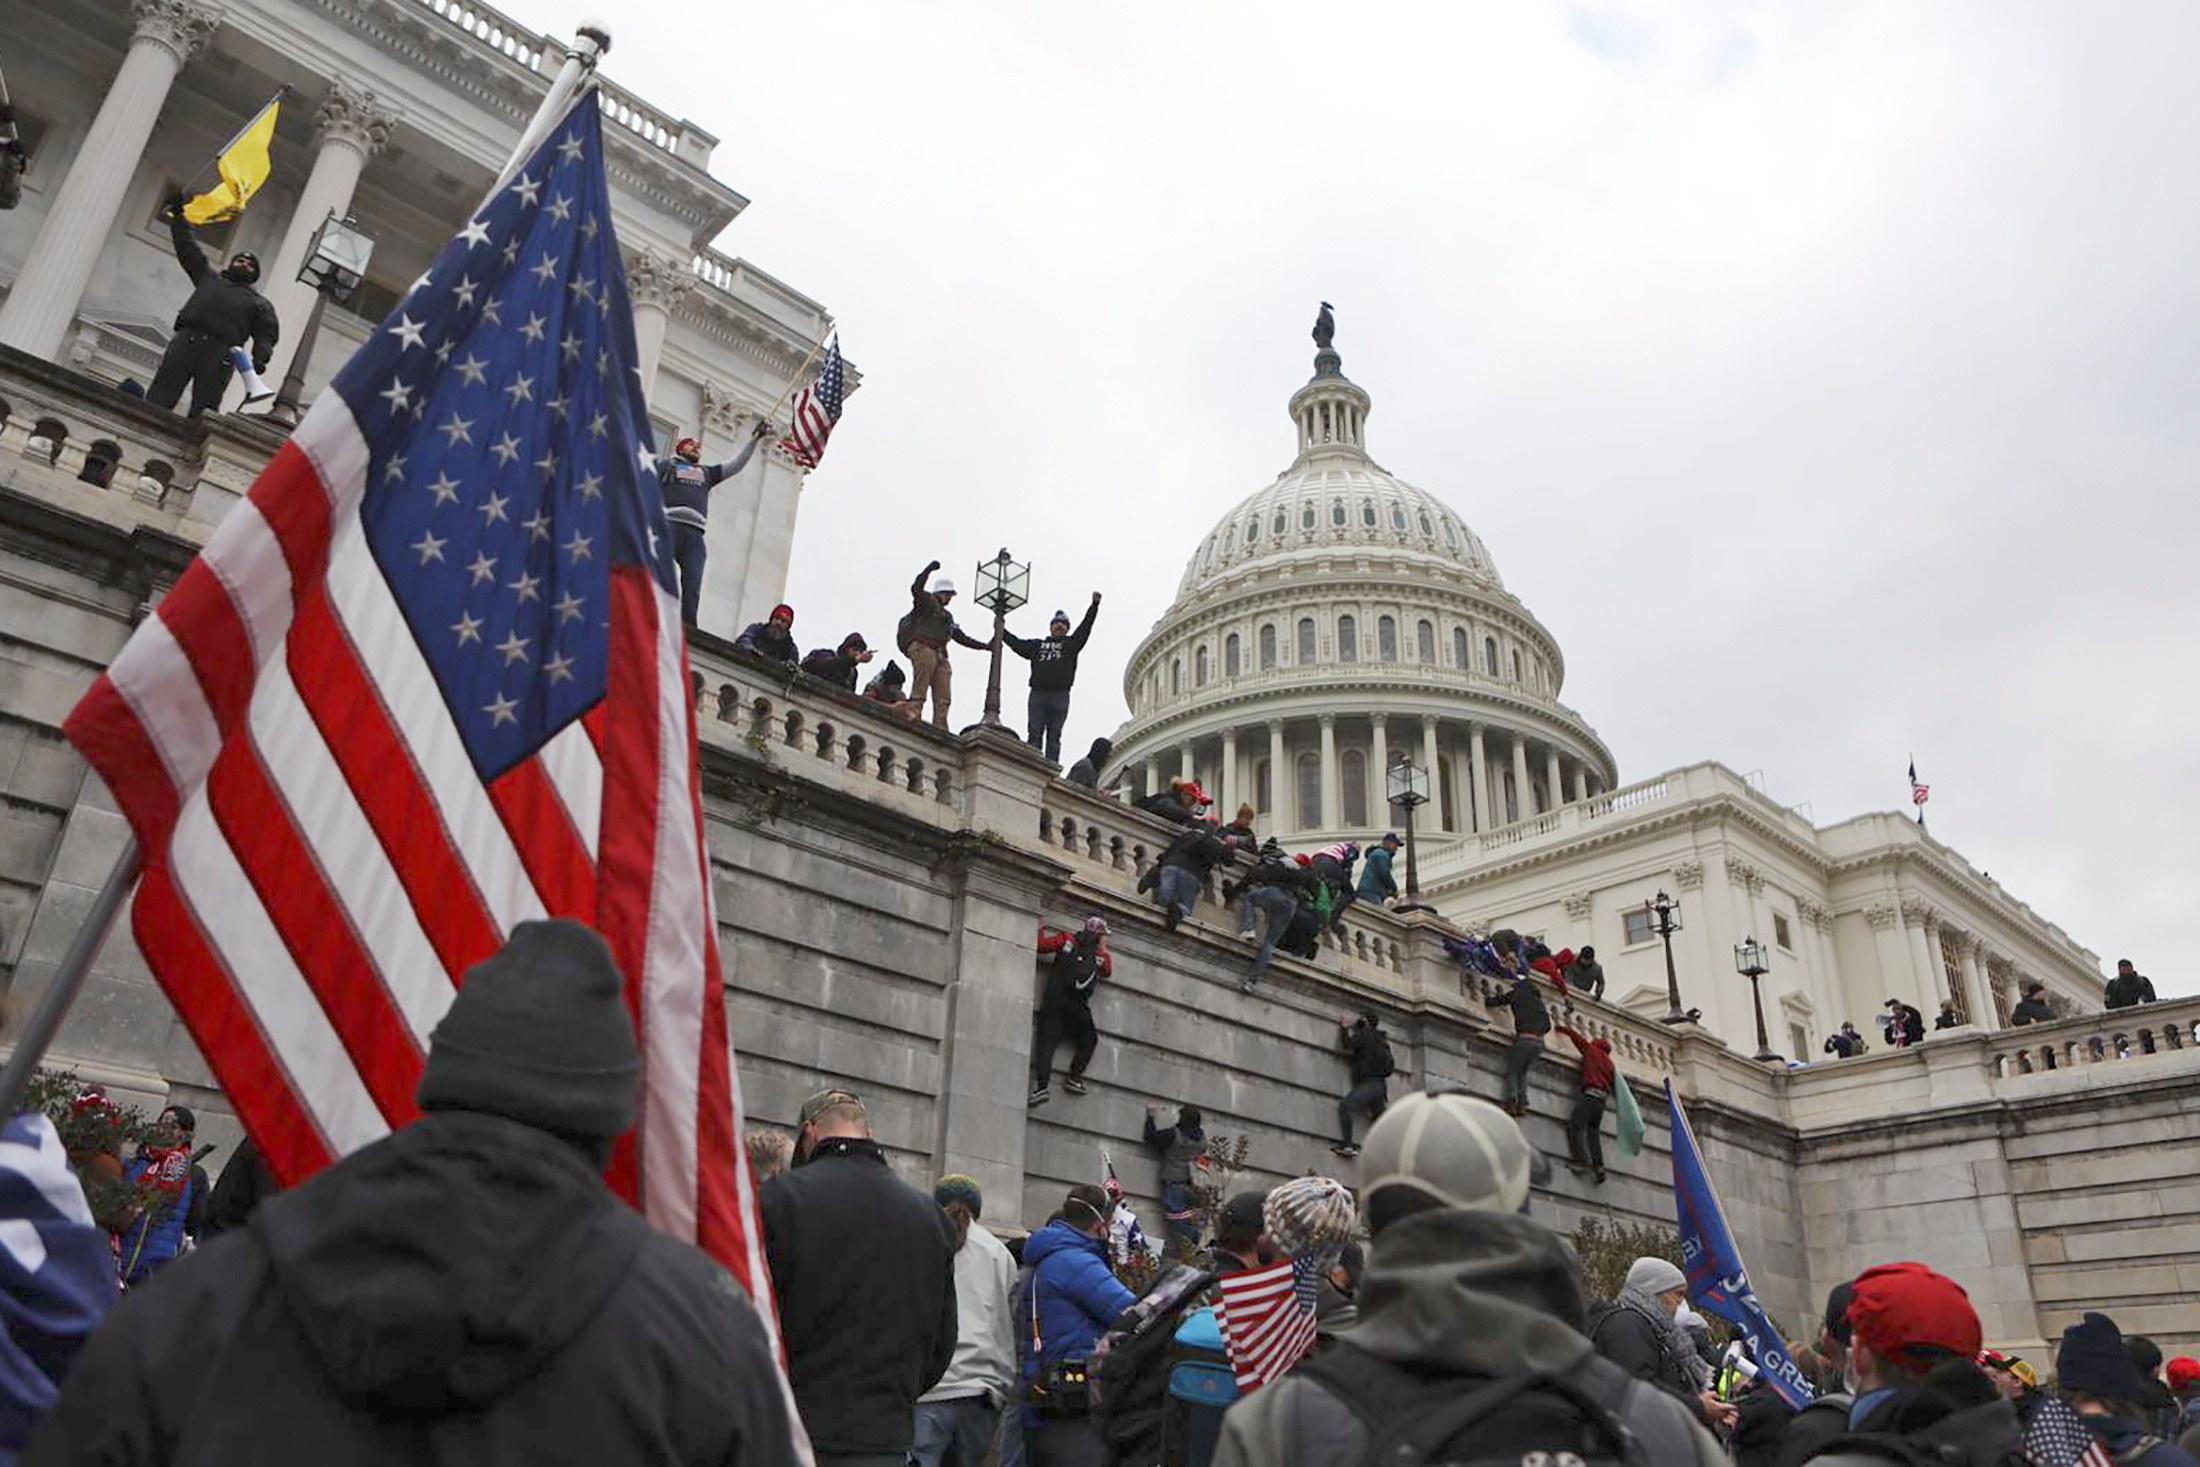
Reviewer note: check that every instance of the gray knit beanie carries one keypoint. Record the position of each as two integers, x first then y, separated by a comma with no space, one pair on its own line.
539,1034
1653,1276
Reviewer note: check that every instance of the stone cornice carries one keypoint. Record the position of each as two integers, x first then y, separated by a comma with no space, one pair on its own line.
353,116
2020,924
657,282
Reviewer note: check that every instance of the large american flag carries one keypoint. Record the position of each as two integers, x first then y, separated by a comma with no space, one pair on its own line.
427,682
817,409
1267,1318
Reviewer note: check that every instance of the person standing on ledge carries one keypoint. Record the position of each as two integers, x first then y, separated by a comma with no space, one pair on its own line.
1053,660
223,313
924,633
686,481
2128,989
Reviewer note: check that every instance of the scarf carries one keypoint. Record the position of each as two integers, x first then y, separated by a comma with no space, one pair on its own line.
1677,1346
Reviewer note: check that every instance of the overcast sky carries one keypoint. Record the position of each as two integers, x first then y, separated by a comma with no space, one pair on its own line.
1822,376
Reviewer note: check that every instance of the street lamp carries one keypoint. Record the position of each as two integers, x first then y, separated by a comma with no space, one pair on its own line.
1751,961
1665,920
1003,585
334,267
1407,784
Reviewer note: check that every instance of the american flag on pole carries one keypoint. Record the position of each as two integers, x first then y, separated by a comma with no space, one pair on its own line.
817,409
1919,793
1267,1318
426,682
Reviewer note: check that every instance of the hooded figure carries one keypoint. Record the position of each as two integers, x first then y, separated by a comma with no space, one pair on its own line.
223,313
1086,771
465,1289
773,638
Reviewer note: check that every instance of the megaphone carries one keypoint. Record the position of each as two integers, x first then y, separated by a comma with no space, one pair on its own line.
255,386
1737,1359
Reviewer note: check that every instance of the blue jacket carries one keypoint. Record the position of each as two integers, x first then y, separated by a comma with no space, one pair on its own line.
1376,882
1076,1295
57,1275
155,1240
686,487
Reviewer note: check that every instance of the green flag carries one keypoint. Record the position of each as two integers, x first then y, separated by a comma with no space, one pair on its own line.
1630,1116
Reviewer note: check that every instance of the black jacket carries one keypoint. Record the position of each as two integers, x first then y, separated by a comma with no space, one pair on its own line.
865,1266
1197,850
1530,1015
1367,1054
1825,1418
837,668
228,310
245,1183
2126,991
1946,1420
1054,659
762,639
1638,1347
1587,975
1165,804
465,1291
2032,1011
1764,1417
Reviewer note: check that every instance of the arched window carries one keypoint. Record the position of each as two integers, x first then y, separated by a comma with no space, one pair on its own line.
1451,538
1229,541
1306,639
1199,668
1176,676
1252,531
1424,643
1306,515
1386,638
1282,523
1459,656
1348,640
1489,655
1367,513
1230,655
1310,792
1397,517
1353,768
1336,512
1427,528
1516,666
1261,790
1267,648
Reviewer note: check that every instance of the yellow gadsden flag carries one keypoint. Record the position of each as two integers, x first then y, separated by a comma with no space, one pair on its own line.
243,166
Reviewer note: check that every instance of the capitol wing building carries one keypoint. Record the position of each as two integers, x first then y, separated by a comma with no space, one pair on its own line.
1341,620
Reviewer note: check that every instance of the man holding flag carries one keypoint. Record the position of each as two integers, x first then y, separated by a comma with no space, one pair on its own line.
424,689
223,313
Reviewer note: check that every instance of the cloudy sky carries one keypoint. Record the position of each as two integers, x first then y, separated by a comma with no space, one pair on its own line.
1822,376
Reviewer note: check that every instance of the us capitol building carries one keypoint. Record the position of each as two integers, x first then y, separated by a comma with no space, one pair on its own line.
1340,621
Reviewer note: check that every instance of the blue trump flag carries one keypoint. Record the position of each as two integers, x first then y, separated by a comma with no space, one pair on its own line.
1717,1282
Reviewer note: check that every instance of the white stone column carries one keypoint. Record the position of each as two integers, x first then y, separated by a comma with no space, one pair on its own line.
656,284
42,306
1554,783
1154,786
1923,932
1478,776
1230,800
1184,760
1525,790
1978,997
1379,758
1581,781
1332,787
1281,795
351,127
1433,811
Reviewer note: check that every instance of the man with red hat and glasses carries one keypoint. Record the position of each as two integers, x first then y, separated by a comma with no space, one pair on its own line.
1920,1395
686,481
222,314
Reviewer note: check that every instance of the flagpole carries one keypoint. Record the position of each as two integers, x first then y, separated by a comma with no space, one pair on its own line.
68,979
591,43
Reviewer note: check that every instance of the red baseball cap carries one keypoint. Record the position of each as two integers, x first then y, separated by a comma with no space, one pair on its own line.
2183,1373
1900,1308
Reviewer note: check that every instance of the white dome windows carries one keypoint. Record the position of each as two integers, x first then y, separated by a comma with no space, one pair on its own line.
1489,655
1283,522
1306,515
1386,638
1309,773
1267,651
1176,676
1336,513
1424,640
1348,639
1230,655
1199,667
1306,639
1459,658
1353,769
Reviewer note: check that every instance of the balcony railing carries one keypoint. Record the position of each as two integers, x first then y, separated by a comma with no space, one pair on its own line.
2098,1039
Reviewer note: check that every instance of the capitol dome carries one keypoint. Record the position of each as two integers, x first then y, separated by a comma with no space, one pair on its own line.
1338,622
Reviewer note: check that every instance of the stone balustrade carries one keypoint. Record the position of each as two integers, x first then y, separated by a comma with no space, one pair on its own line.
2097,1039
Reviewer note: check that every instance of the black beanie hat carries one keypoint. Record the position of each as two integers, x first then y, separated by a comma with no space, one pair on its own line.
539,1034
2092,1360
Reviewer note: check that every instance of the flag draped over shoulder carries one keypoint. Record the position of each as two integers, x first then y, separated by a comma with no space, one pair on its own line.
426,682
1267,1318
244,166
1717,1282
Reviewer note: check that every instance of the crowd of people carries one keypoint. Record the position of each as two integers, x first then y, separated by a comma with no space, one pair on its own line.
1902,1025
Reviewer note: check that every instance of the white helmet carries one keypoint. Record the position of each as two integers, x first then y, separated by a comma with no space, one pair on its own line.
943,586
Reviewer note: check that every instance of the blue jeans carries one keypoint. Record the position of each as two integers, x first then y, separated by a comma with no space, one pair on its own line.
955,1433
1177,886
1279,907
688,553
1177,1208
1047,713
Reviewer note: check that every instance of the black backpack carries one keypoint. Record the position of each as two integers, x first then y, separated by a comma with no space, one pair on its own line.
1386,1063
1131,1364
1416,1418
902,629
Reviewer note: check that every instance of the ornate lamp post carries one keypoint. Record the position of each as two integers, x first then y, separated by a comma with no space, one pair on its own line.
1003,585
334,267
1665,920
1750,960
1407,785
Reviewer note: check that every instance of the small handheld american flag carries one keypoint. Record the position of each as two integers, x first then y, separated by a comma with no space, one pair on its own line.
1267,1318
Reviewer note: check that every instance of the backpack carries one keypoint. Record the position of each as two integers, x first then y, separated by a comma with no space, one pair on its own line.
1421,1419
1386,1063
1130,1366
902,629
